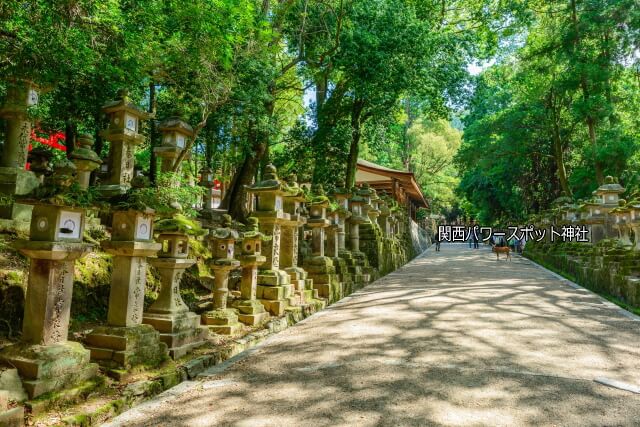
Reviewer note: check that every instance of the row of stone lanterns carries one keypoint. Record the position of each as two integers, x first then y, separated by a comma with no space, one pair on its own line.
271,282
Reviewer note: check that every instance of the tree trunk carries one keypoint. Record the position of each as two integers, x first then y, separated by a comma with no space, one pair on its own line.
70,133
584,85
153,133
407,149
234,199
354,148
558,146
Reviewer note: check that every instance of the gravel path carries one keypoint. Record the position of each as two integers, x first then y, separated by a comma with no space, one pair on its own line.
453,338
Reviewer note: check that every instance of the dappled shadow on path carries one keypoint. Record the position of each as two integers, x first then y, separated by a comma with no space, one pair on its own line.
453,338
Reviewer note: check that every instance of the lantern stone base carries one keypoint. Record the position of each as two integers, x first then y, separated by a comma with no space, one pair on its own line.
325,280
274,290
345,275
251,312
222,321
16,181
303,286
12,417
181,331
46,368
120,347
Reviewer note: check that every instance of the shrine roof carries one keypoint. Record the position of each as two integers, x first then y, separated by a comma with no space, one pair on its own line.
372,173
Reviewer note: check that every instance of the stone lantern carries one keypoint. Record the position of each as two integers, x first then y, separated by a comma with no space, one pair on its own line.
175,135
372,208
383,219
251,311
609,193
345,264
274,285
14,179
85,159
622,222
593,216
212,196
123,133
222,241
358,218
125,341
320,267
290,236
46,360
634,222
179,328
357,203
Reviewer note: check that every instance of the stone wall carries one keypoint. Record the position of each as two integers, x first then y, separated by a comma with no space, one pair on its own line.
606,267
419,237
387,254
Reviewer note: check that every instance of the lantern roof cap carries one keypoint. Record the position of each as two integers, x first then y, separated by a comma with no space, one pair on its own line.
270,183
122,102
175,123
609,186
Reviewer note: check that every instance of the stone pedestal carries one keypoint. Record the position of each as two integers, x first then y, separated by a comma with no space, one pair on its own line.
45,359
222,320
179,328
333,252
125,342
274,285
360,261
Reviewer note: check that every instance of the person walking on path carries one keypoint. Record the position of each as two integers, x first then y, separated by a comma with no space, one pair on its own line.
476,238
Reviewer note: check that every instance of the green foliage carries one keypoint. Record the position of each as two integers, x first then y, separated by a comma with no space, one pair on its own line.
554,114
173,193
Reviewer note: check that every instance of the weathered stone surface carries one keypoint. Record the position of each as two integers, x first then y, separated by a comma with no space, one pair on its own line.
11,383
12,417
50,367
126,347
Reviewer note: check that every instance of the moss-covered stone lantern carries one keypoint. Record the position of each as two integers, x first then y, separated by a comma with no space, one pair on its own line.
125,342
251,311
222,240
46,360
290,236
175,135
274,285
85,159
212,196
14,179
622,222
179,328
123,133
320,267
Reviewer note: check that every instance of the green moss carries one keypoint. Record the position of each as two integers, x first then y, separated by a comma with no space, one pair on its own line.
179,224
